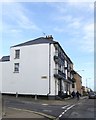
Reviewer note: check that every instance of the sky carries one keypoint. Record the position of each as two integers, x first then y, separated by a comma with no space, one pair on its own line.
70,23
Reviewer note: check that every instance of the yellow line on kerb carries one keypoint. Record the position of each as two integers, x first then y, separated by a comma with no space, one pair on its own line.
39,113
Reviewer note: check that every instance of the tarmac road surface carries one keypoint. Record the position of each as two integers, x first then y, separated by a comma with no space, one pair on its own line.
53,109
84,109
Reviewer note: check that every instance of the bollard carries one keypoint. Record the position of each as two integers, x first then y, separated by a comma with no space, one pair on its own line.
16,94
35,97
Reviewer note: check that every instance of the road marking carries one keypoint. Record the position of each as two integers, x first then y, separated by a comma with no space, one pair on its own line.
70,107
66,109
47,110
65,106
60,115
63,113
45,104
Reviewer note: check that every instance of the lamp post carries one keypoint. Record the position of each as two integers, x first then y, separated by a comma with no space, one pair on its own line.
86,82
87,87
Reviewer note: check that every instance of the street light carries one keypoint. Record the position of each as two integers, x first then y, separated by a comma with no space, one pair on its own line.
86,82
79,70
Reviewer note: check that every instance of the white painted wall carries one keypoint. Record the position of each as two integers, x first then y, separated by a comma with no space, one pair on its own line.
6,77
34,63
0,77
54,81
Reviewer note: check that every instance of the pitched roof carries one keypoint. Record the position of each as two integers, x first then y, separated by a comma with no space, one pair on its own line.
5,58
40,40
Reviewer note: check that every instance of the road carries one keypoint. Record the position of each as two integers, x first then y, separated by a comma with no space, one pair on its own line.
84,108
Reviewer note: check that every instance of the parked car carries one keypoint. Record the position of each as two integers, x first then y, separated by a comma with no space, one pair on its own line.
92,95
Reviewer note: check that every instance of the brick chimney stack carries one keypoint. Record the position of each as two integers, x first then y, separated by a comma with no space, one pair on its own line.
49,37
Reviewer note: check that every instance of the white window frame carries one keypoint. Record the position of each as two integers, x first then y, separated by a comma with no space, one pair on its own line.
17,54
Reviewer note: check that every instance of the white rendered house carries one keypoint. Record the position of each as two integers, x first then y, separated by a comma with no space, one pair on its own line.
37,67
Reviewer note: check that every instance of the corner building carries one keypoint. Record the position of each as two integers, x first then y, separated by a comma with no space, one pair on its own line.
37,67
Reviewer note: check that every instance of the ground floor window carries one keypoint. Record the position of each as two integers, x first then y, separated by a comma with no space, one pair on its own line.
16,67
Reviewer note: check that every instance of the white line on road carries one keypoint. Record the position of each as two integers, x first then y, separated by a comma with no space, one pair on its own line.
60,115
44,104
66,110
70,107
47,110
65,106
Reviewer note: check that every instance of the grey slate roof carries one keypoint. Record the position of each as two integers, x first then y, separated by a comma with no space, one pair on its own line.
40,40
5,58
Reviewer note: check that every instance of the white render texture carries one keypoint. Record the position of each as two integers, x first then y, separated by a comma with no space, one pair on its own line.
36,71
0,77
33,77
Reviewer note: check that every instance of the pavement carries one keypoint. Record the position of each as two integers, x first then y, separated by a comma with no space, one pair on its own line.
18,113
9,112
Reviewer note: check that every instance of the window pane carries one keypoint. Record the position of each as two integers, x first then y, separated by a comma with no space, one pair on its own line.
17,54
16,67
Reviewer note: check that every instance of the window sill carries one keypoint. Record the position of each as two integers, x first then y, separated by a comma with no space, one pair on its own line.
16,58
15,72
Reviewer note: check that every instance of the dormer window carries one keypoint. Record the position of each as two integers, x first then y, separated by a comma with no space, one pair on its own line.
17,54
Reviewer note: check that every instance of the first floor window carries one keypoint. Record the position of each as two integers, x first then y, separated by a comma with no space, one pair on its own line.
17,54
16,67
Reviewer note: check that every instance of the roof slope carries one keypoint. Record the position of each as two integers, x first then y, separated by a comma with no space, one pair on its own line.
5,58
40,40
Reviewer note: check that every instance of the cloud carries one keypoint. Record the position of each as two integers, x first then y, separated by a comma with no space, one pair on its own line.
68,22
24,22
75,23
16,16
88,38
58,29
48,1
88,5
7,1
84,38
79,27
81,36
79,1
65,18
68,5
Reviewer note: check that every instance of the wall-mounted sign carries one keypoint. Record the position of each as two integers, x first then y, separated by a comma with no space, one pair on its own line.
44,77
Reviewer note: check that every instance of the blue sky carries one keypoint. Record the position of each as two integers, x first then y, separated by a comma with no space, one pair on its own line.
70,23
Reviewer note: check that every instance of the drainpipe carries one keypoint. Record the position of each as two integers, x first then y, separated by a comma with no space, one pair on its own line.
49,68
